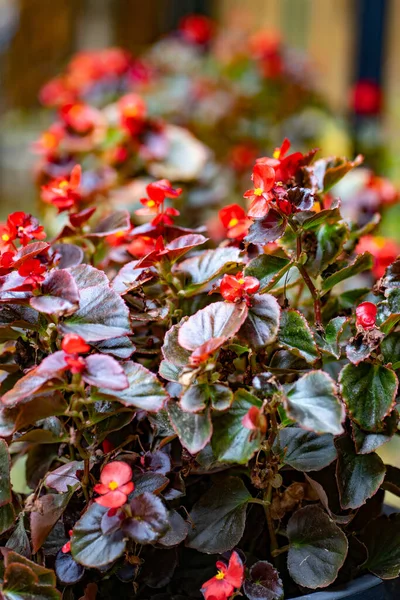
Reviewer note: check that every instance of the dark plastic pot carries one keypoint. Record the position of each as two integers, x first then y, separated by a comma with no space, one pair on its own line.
367,587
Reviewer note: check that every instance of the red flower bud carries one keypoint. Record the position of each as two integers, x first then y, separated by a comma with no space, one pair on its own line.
366,315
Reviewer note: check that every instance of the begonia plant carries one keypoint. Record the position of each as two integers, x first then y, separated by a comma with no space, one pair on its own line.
184,418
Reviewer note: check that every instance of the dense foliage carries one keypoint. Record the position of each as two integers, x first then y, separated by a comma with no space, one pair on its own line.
203,402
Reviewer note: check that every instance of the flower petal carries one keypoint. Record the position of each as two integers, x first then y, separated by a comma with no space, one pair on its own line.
113,499
117,471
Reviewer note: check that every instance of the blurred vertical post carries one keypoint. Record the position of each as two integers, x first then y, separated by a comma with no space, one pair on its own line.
367,101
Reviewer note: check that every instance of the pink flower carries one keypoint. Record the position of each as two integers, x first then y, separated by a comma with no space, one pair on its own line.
115,484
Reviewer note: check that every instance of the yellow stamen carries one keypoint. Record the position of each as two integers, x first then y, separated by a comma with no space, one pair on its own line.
380,241
258,191
151,203
241,281
233,222
63,184
119,234
277,153
279,183
220,575
113,485
5,237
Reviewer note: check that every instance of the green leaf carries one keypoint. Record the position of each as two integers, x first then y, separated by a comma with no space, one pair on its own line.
329,343
295,334
331,170
196,397
208,265
102,314
331,215
369,392
261,326
145,390
217,320
194,430
318,548
219,517
367,441
313,402
268,269
89,546
391,279
5,465
231,441
382,539
304,450
359,476
25,580
329,238
7,517
390,348
363,262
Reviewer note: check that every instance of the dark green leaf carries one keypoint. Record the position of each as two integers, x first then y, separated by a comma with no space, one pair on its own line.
359,476
194,430
330,341
263,582
382,538
149,519
102,314
367,441
304,450
331,170
369,392
261,326
5,484
295,334
145,390
68,571
363,262
331,215
177,532
7,517
89,546
231,441
313,402
219,517
208,265
318,548
25,580
268,269
390,348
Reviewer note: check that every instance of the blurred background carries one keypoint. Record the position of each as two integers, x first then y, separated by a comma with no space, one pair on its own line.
346,42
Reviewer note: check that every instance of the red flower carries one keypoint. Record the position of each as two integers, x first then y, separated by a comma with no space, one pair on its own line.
115,484
6,262
25,227
49,141
234,219
67,546
141,246
157,192
384,251
228,579
285,166
242,156
64,193
366,98
255,420
263,178
234,288
80,118
32,269
366,315
197,29
73,344
385,191
133,112
165,217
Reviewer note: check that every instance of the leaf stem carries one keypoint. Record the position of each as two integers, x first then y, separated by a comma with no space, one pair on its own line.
307,279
